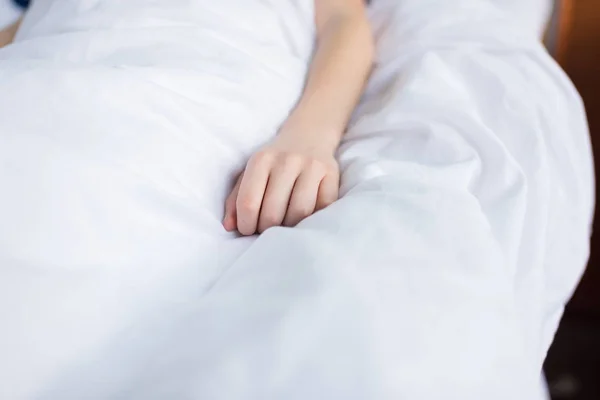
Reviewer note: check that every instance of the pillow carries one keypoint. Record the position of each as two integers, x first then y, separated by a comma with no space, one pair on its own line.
399,24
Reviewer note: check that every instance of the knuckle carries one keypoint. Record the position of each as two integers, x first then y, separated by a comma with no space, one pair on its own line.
291,161
315,162
263,156
246,205
315,165
332,168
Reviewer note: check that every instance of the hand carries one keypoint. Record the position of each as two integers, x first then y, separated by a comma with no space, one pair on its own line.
285,182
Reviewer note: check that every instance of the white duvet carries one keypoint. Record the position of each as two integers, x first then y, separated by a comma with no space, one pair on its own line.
440,274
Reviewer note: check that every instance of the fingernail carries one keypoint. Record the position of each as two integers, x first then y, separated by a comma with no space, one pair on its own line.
228,223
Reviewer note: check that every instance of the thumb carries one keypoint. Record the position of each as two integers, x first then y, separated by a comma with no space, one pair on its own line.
230,219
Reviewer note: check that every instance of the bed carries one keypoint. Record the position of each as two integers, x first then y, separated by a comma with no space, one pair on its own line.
441,273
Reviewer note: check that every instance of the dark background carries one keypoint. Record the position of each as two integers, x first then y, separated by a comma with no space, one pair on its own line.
573,364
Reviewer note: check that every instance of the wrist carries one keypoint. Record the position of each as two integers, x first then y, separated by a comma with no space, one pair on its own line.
313,136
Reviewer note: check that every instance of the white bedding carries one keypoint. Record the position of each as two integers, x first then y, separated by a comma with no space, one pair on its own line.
440,274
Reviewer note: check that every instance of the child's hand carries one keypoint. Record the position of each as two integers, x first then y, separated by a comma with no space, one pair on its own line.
285,182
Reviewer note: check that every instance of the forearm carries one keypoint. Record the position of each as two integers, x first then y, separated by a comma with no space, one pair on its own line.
7,35
336,79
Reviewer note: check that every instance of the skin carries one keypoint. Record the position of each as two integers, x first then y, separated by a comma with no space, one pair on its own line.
297,173
7,35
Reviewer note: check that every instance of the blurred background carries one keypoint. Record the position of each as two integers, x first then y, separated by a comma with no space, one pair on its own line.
573,364
573,37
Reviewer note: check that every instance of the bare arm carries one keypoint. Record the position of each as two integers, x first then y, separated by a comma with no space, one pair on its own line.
7,35
340,67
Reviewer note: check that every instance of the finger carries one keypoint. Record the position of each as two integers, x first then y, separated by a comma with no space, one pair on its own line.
329,190
278,192
251,193
303,200
230,219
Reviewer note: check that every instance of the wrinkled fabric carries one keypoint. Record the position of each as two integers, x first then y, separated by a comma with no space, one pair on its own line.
441,273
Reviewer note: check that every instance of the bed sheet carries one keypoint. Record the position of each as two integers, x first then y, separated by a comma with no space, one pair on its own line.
441,273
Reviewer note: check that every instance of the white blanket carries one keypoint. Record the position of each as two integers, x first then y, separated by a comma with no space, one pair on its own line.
440,274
